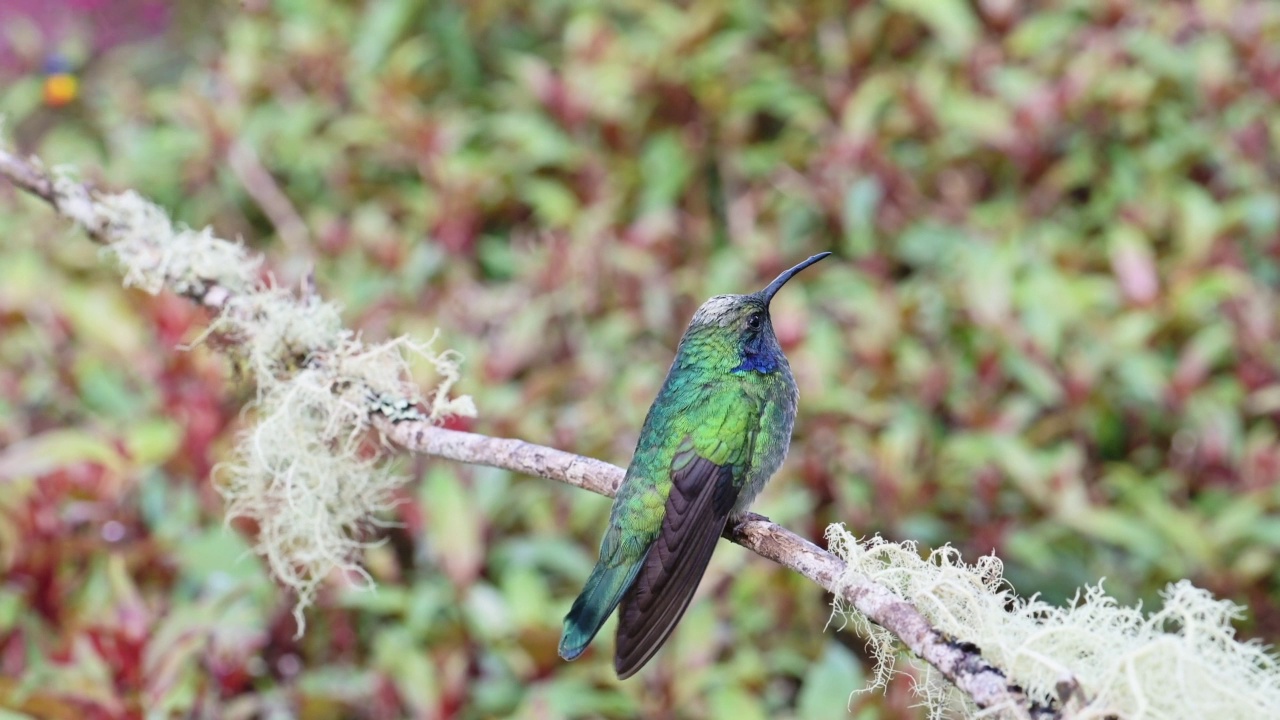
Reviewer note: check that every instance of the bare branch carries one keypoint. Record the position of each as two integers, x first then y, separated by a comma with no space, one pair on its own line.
960,662
270,198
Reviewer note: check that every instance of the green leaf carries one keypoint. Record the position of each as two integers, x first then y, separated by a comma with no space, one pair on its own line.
152,441
859,215
829,684
553,203
55,449
664,170
732,702
383,23
952,21
415,676
453,525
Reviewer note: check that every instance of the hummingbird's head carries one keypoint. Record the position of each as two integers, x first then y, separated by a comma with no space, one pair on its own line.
736,331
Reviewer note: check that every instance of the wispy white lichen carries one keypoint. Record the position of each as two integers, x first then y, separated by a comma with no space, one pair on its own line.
305,470
1182,661
152,251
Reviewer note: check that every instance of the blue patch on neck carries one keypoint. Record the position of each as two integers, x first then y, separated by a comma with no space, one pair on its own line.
760,353
758,362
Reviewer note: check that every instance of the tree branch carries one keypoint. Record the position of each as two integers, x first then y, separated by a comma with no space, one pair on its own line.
27,176
31,176
960,662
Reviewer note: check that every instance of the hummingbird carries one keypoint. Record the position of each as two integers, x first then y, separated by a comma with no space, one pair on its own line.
716,433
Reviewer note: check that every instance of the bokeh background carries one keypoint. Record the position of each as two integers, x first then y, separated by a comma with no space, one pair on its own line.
1049,332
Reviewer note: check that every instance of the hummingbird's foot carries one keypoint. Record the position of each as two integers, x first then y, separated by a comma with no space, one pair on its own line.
735,526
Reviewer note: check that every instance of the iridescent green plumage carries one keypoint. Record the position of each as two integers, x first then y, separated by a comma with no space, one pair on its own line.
717,431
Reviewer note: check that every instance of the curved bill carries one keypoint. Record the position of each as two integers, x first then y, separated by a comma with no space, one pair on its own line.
782,279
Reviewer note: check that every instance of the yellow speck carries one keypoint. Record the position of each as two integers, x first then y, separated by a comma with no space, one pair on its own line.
60,89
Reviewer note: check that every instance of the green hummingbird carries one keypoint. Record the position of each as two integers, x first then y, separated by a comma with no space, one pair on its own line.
717,431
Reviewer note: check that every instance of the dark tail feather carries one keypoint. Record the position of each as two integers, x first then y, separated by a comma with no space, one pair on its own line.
696,512
599,597
658,601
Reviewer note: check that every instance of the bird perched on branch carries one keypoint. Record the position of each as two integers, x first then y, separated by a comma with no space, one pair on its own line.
716,433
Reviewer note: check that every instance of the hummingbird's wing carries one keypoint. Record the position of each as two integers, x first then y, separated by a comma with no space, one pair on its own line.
702,494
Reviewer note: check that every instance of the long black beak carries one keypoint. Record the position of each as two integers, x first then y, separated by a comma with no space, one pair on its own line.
768,293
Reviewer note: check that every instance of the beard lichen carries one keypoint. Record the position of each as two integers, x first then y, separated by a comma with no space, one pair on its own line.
308,470
1181,661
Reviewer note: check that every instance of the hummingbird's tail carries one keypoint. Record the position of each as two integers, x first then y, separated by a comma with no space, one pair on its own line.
603,591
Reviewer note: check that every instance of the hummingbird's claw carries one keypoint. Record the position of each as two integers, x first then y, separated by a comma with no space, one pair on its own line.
737,525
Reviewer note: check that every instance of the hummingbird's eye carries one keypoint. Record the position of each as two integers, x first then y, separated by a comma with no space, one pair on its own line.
755,320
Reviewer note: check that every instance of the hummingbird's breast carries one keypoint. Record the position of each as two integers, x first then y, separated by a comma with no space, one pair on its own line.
776,396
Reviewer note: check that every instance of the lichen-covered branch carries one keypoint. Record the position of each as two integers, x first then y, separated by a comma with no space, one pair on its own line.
296,370
299,470
27,176
961,663
77,202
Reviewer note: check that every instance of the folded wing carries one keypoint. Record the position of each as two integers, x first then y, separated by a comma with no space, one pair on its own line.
697,509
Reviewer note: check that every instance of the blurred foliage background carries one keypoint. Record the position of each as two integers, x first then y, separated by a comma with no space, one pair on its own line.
1049,333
